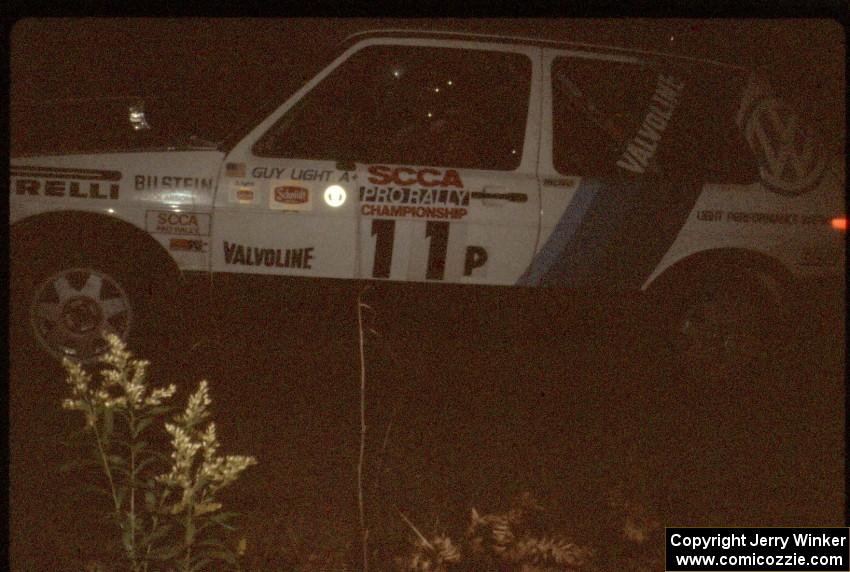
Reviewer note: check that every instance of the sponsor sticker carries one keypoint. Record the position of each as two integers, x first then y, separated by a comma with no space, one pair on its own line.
38,181
551,182
174,222
243,255
156,182
289,196
641,149
295,173
404,176
234,170
414,202
790,160
188,245
242,192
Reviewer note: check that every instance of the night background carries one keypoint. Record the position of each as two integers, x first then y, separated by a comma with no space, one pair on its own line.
475,395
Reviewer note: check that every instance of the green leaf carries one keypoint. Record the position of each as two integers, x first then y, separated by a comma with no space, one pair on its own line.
159,532
150,501
71,466
119,495
138,446
142,425
215,522
124,473
144,463
122,442
159,410
167,553
108,424
116,460
199,564
99,490
127,539
225,555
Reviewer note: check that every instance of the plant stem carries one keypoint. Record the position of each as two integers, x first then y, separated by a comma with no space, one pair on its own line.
363,529
187,560
108,472
133,490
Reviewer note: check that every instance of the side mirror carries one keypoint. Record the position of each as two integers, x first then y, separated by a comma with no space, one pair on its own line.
137,116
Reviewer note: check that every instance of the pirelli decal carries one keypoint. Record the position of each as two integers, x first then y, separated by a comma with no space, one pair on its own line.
65,182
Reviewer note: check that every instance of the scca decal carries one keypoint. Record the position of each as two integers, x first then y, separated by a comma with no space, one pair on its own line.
380,175
170,222
276,257
413,202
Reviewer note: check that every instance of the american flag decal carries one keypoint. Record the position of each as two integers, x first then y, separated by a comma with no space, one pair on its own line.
234,170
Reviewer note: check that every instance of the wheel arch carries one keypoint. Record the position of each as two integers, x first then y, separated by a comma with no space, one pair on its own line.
83,226
710,262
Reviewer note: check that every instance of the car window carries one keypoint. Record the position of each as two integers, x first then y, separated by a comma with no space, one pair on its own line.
412,105
596,106
628,120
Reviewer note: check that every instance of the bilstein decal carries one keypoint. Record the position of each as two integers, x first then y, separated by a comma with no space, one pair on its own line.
643,146
65,182
147,182
170,222
242,255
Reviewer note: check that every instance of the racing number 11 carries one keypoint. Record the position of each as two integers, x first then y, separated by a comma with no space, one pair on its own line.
437,231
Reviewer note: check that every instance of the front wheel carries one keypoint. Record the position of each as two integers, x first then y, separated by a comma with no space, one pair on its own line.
72,308
66,294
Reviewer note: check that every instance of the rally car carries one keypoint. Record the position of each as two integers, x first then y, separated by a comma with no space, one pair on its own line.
461,158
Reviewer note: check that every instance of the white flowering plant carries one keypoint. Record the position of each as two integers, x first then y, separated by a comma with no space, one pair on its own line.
165,506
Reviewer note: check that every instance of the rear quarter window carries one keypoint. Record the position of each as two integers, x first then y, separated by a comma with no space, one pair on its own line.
630,120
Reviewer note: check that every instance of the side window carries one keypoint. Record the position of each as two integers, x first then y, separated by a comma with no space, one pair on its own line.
597,107
412,105
618,119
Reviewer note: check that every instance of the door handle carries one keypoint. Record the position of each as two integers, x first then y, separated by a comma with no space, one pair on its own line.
490,194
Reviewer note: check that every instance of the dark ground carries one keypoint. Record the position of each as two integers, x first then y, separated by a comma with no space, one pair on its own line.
487,393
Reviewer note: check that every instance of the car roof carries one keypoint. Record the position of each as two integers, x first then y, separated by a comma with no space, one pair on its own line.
402,33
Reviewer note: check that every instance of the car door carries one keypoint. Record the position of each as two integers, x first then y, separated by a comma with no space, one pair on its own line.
446,160
285,203
621,167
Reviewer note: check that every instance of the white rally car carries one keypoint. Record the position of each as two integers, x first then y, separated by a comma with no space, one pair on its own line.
459,158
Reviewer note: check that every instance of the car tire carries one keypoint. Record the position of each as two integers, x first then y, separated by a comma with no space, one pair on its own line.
727,326
66,292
